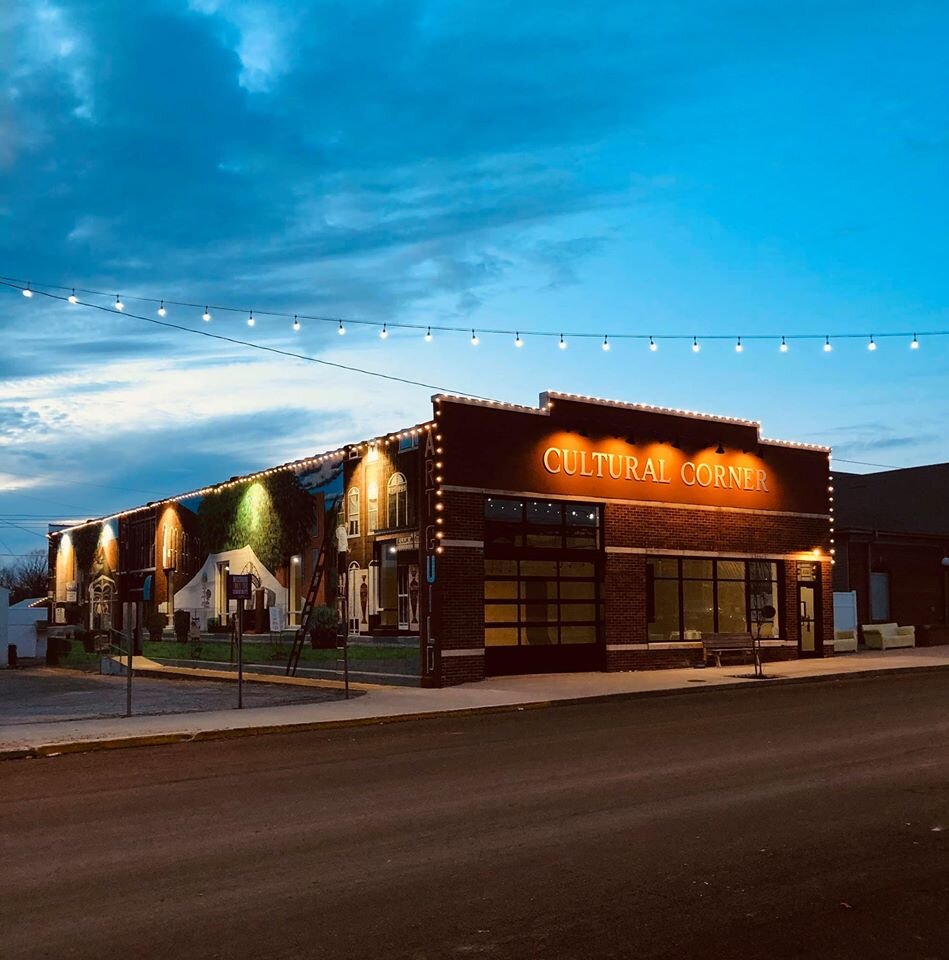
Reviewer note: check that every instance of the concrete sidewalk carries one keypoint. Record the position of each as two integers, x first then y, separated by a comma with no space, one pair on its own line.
387,704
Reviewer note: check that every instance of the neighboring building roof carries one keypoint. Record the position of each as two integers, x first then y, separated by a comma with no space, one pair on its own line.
29,602
912,500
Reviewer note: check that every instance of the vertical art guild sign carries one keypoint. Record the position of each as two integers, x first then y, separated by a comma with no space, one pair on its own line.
428,558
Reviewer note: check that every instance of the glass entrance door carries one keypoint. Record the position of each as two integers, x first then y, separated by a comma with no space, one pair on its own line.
403,596
809,623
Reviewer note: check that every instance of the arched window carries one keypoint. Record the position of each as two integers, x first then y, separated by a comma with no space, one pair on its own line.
352,513
398,501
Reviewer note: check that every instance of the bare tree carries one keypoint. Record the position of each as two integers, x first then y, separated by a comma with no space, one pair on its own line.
26,577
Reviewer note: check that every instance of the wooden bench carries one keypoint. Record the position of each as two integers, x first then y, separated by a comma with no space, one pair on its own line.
715,644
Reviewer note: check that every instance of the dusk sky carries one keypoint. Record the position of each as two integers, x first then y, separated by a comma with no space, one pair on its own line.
677,168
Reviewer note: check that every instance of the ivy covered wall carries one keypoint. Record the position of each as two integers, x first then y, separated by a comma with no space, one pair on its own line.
274,516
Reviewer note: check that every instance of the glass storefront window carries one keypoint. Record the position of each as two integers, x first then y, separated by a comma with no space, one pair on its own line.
690,597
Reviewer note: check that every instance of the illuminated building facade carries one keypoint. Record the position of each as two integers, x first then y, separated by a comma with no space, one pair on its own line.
580,534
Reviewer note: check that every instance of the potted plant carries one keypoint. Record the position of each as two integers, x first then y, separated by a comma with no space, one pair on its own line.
324,628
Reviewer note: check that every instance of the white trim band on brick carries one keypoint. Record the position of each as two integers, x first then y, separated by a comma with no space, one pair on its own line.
469,544
455,488
802,555
472,652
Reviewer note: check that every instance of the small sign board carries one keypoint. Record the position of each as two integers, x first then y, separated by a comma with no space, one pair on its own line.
239,586
278,618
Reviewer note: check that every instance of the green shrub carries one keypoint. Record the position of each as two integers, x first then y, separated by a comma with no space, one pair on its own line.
324,627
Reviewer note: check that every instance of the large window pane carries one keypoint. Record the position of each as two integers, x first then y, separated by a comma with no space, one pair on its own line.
577,612
539,634
666,605
538,568
510,510
764,594
550,537
578,634
500,636
500,589
500,613
500,568
666,567
698,607
731,607
580,515
540,511
731,570
762,570
538,589
546,612
697,569
577,590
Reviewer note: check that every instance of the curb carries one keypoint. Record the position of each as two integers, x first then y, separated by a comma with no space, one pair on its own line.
234,733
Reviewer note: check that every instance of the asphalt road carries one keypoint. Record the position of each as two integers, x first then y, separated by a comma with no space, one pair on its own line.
773,822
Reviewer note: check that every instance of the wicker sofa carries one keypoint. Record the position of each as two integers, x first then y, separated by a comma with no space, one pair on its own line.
885,636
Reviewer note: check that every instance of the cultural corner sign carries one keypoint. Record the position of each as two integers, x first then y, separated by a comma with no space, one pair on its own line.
632,469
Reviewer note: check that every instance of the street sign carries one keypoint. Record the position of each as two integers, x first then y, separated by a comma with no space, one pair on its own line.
239,586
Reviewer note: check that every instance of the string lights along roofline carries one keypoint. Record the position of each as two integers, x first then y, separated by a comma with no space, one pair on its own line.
207,311
339,454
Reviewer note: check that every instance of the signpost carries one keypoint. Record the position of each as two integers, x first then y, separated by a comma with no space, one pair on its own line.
239,587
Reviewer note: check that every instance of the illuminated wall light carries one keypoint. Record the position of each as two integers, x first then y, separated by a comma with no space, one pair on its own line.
872,345
653,345
27,292
563,343
827,345
518,342
474,339
250,319
72,298
439,549
695,345
384,332
738,346
296,323
606,344
914,344
118,303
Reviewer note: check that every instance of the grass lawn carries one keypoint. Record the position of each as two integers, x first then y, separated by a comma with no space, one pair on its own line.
268,652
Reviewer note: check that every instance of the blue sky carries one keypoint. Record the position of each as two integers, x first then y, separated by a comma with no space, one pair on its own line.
694,168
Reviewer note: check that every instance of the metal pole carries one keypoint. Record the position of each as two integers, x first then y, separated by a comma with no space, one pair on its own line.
131,650
240,655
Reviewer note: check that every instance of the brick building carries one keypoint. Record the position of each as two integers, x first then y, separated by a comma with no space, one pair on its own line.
580,534
893,547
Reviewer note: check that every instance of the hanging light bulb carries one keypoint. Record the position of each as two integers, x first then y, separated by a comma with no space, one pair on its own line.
341,330
474,339
827,345
738,346
872,345
653,345
206,316
606,344
518,342
118,303
296,324
72,298
784,345
384,332
428,334
695,345
915,343
250,319
162,311
563,343
27,292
